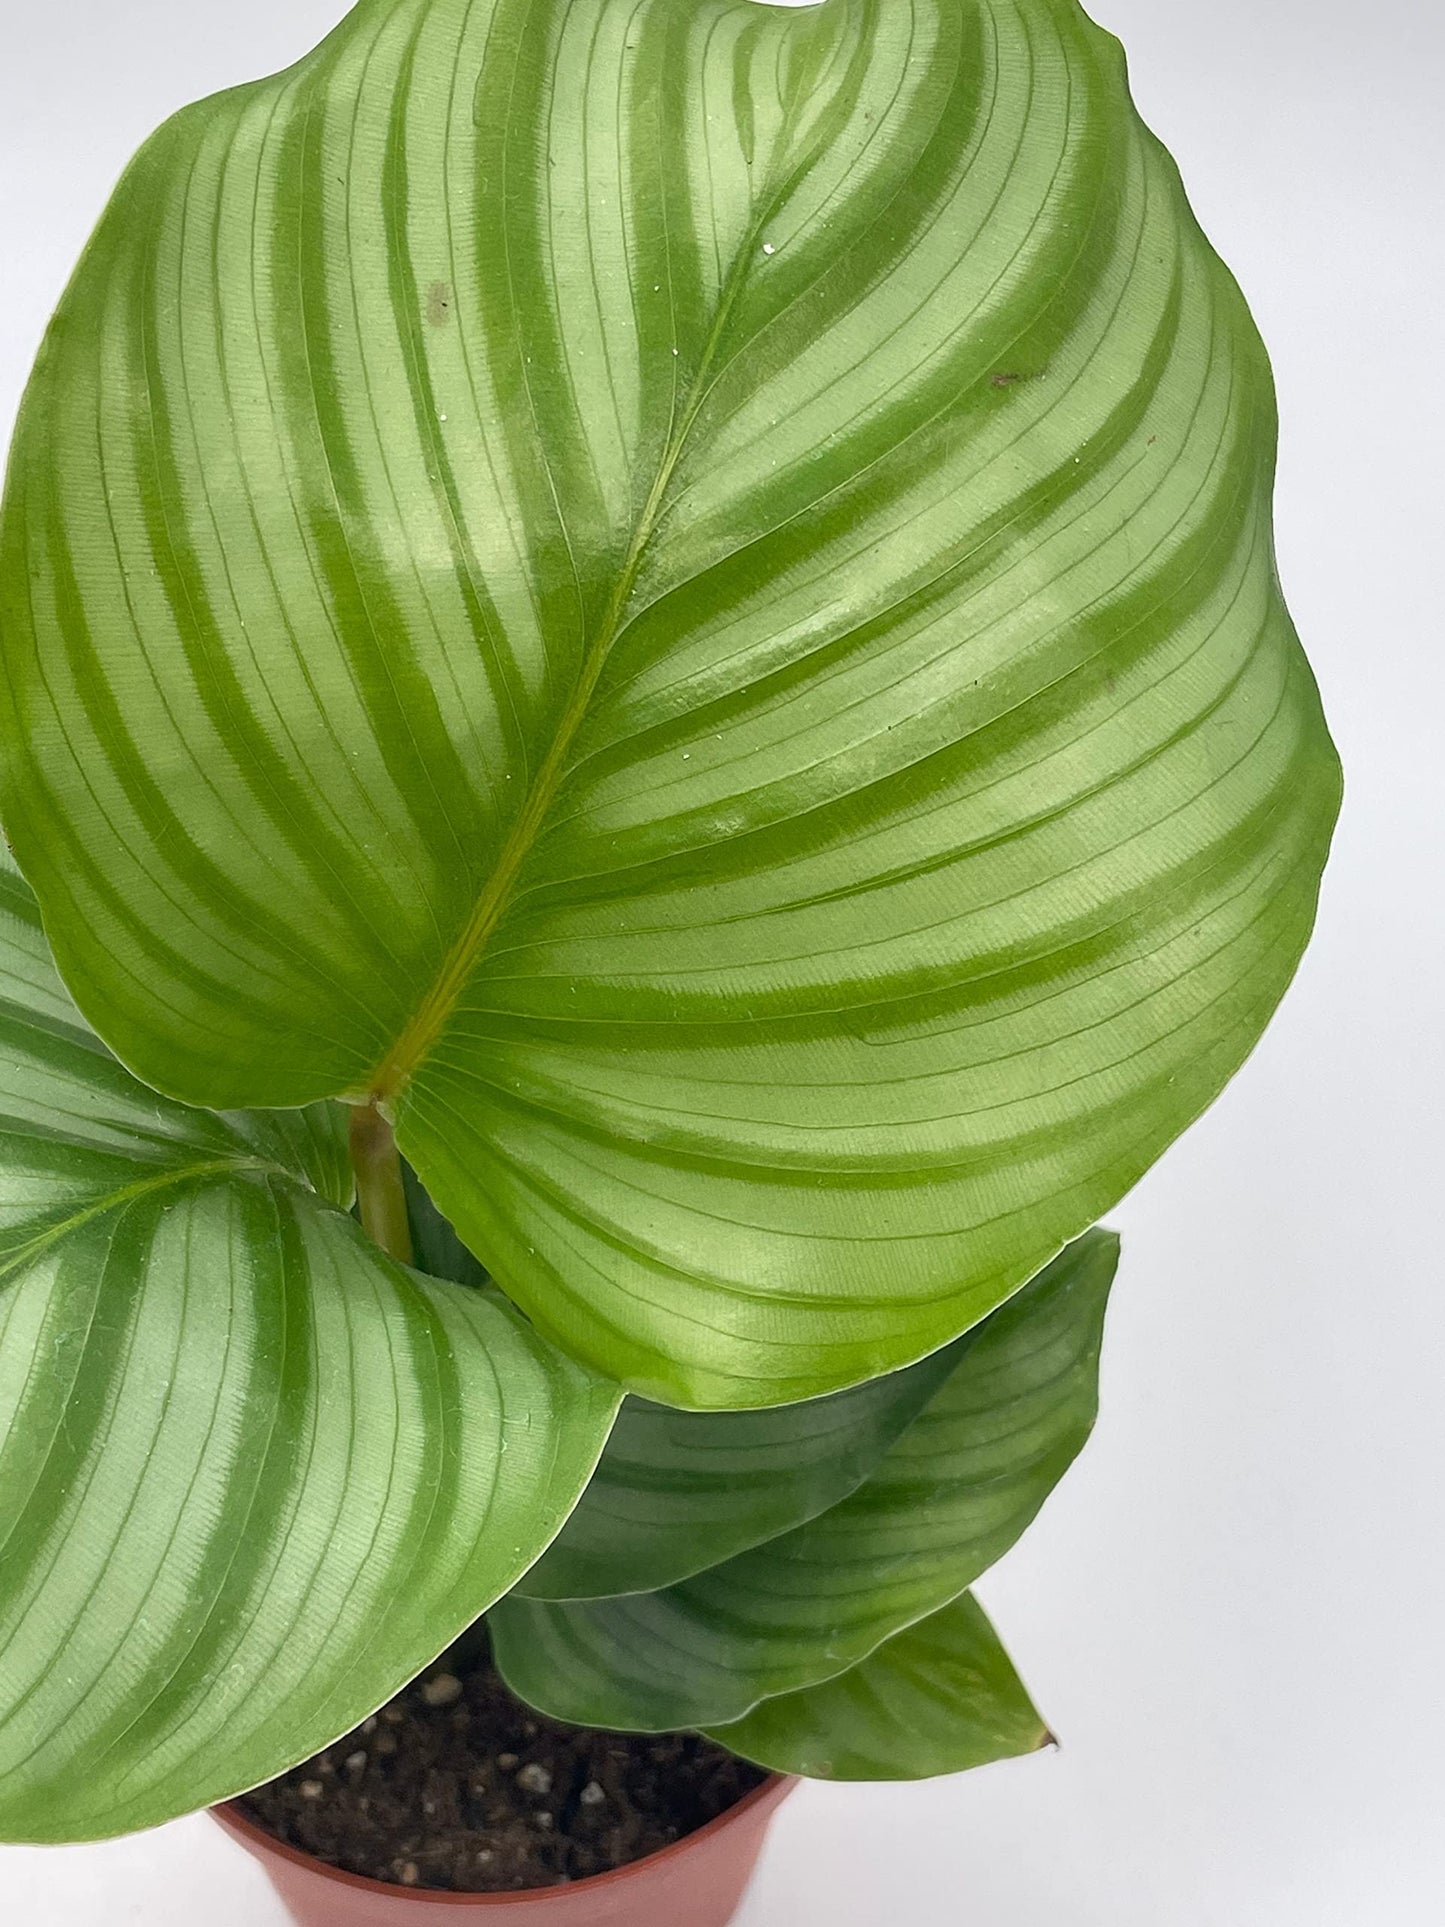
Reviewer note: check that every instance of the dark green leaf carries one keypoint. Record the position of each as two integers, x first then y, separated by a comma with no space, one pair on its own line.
939,1698
949,1499
676,1492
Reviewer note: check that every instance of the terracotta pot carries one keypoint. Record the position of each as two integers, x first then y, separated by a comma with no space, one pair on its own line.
697,1882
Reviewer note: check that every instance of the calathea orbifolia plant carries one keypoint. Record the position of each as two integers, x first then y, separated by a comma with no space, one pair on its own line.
667,605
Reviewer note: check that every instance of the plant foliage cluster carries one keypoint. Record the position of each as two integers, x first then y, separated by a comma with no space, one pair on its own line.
652,750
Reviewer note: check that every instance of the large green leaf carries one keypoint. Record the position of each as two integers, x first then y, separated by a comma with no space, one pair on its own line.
683,592
251,1472
676,1492
939,1698
949,1499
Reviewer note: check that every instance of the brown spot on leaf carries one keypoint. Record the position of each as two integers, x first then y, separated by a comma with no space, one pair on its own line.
439,304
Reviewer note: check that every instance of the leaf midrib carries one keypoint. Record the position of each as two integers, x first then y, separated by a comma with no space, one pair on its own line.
25,1254
422,1033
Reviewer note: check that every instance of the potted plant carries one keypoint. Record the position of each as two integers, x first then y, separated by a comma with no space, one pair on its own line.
651,750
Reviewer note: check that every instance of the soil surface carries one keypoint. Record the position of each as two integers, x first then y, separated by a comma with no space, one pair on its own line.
456,1785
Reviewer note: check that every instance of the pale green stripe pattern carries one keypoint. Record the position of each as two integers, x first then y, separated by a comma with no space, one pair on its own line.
942,1697
685,590
949,1499
253,1475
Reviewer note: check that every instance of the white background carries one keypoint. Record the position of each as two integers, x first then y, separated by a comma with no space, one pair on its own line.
1233,1611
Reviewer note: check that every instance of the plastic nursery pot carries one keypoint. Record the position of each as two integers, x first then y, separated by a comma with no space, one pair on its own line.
699,1881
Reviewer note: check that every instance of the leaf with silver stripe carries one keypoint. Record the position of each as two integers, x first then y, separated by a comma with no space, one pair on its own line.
253,1475
684,593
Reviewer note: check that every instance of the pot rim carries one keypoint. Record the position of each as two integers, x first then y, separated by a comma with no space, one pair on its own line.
228,1815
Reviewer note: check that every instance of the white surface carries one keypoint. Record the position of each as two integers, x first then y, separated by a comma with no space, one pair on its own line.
1233,1610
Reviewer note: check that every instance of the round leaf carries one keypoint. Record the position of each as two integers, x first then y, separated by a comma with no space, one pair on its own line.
682,591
